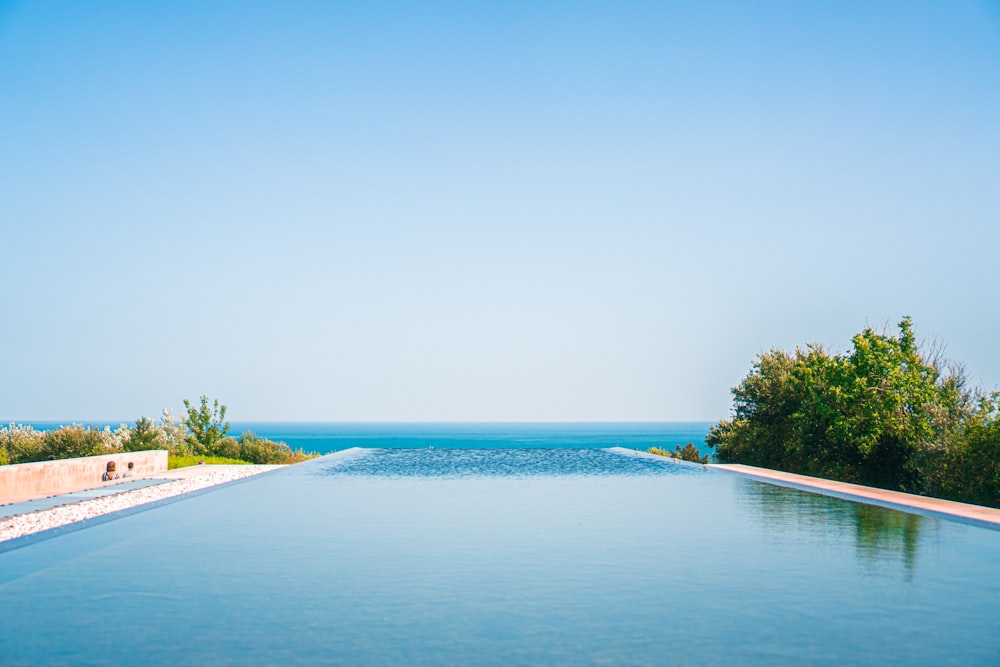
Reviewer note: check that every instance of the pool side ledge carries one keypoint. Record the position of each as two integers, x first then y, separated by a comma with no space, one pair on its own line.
974,514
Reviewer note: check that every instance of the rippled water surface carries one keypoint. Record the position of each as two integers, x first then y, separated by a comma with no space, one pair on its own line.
452,463
464,557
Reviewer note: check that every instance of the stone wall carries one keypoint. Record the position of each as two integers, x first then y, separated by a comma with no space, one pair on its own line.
23,481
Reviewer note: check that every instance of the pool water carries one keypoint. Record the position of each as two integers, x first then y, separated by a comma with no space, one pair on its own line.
505,557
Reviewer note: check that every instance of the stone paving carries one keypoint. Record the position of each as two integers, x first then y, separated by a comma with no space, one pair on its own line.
172,483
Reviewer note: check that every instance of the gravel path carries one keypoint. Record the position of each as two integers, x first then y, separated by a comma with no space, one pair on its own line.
35,522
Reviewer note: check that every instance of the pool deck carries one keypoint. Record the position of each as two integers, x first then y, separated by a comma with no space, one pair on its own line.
53,513
894,499
118,486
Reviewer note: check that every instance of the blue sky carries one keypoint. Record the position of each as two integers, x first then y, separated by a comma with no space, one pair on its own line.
479,211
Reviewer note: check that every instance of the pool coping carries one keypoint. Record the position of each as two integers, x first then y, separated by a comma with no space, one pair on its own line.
976,515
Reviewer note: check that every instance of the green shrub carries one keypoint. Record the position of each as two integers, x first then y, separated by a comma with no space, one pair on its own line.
689,453
227,448
865,416
21,444
174,434
262,451
26,451
68,442
167,433
202,436
206,426
966,467
884,414
143,436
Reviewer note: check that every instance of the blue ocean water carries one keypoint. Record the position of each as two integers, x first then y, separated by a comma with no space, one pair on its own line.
329,437
326,437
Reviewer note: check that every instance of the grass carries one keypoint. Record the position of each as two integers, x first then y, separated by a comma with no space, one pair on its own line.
185,461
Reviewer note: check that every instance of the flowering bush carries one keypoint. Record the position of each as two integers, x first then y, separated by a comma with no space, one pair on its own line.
21,444
174,433
168,434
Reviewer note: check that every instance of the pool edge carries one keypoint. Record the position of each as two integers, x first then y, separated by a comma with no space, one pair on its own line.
975,515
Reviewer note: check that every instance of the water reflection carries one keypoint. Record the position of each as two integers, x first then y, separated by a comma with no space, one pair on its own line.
882,538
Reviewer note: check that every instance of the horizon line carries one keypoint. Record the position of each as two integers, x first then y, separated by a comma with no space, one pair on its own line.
7,422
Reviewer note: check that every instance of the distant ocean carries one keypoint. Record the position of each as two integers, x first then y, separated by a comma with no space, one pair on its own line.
326,437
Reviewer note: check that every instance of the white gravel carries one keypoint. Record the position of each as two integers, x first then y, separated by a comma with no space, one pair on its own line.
37,521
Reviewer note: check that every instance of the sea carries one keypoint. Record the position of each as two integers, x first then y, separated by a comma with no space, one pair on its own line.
327,437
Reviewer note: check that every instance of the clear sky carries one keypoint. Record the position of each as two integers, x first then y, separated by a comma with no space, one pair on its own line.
345,211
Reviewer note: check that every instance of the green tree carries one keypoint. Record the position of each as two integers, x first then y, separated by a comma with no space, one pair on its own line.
761,432
868,416
206,426
966,466
144,436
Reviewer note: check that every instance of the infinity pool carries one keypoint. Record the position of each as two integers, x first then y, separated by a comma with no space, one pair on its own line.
505,557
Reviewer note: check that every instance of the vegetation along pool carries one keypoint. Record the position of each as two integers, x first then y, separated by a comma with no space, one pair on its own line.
524,556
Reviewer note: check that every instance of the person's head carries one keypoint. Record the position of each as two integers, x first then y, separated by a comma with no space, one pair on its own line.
130,465
111,466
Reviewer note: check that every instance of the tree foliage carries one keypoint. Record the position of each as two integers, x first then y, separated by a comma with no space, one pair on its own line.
883,414
255,449
206,426
72,442
143,436
688,453
967,467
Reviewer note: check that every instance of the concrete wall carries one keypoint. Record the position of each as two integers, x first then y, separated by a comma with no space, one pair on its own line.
23,481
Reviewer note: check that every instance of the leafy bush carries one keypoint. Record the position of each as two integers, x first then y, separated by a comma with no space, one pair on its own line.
69,442
967,467
227,448
884,414
174,433
202,436
206,425
259,450
21,444
689,453
251,448
143,436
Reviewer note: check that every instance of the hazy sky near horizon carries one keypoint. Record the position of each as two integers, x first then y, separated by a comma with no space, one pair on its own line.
483,211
